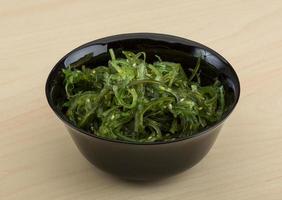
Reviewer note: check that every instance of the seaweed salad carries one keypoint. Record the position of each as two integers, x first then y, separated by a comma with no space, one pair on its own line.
132,100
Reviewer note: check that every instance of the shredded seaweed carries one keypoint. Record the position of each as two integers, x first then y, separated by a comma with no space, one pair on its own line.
132,100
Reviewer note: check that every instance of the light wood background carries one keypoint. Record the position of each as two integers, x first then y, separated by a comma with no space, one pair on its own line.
38,159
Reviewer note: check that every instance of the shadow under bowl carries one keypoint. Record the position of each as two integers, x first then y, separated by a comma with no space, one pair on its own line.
148,161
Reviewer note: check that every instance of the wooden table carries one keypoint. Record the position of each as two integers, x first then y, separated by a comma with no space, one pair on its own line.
38,159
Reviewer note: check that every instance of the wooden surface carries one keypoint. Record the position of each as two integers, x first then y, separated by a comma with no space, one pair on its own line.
38,159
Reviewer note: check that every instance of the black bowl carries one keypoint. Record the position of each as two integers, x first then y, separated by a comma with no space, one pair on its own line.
156,160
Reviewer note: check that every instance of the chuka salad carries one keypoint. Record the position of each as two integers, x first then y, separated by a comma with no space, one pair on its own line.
132,100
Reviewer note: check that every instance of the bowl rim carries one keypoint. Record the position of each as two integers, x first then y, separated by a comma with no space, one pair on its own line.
151,36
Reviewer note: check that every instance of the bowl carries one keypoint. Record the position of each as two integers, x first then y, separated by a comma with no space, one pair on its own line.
156,160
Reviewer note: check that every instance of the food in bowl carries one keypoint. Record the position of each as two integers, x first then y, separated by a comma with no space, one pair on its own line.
154,160
138,101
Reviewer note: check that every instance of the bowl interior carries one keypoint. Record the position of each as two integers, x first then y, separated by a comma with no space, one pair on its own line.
169,48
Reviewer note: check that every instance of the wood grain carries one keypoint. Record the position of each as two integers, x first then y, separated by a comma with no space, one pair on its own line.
38,160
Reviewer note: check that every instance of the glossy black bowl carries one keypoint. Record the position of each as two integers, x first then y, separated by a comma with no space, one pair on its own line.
156,160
